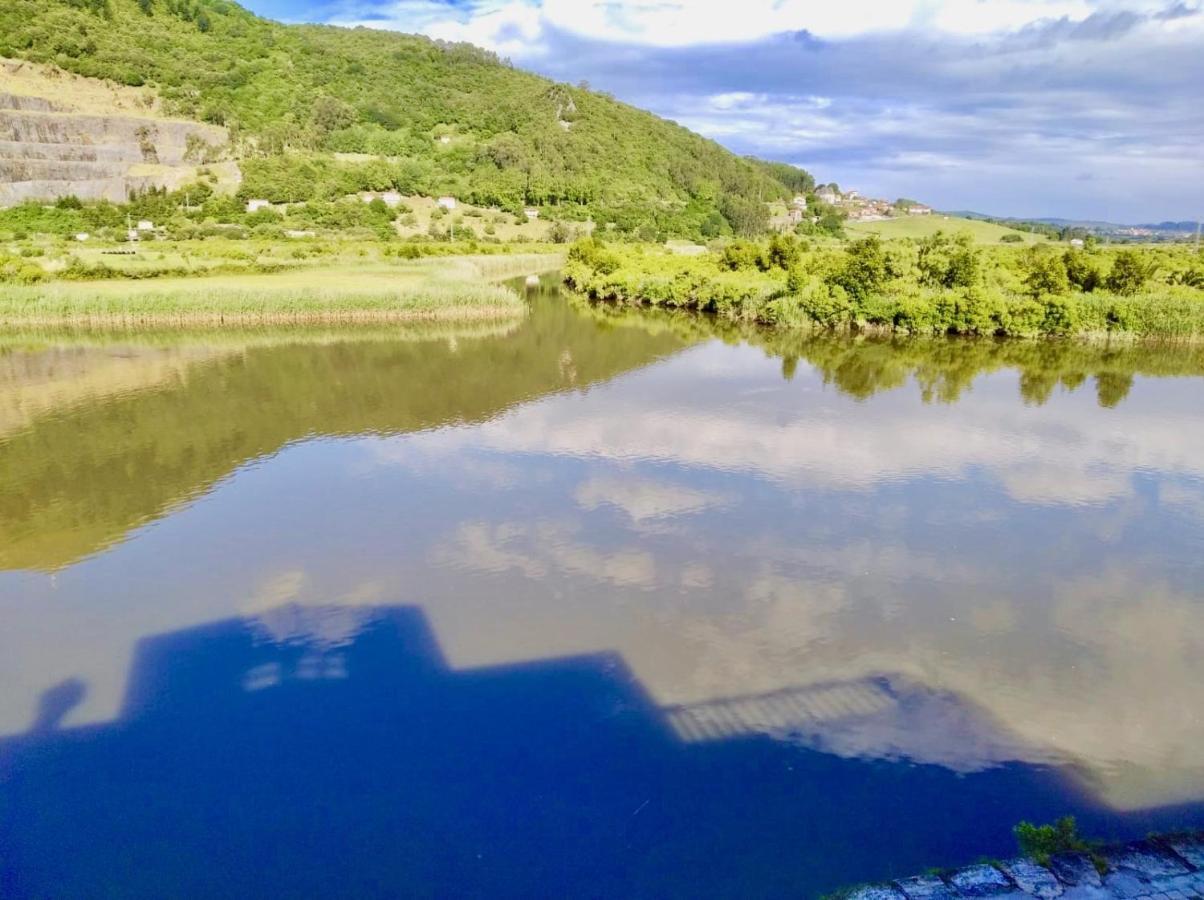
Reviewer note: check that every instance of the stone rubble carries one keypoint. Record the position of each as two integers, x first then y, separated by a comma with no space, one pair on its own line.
1170,868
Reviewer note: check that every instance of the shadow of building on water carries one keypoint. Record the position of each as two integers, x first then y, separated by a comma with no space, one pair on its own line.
248,762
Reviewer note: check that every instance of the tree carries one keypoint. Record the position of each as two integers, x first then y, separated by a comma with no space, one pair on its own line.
948,261
748,218
330,114
1081,270
1129,273
560,233
864,271
1044,272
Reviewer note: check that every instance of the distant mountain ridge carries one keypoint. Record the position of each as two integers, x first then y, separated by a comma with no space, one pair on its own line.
1089,224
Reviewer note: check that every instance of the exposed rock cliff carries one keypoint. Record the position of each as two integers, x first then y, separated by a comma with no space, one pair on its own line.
79,140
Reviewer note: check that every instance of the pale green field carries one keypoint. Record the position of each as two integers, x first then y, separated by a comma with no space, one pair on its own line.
925,226
449,288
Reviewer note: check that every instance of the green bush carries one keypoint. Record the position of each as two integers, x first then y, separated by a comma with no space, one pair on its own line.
877,286
1044,272
1130,272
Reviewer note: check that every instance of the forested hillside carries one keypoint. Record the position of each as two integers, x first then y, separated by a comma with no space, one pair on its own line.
445,118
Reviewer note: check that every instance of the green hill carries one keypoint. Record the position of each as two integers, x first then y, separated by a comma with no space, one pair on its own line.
926,226
435,118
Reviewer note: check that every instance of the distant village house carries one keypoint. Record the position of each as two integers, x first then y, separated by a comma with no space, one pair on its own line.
531,212
448,203
256,205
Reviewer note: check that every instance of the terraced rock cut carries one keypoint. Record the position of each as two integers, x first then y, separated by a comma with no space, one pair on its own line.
92,147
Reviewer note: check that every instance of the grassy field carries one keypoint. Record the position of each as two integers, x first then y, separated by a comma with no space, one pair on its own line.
453,289
925,226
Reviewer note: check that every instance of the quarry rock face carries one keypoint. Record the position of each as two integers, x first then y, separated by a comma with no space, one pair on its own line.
47,152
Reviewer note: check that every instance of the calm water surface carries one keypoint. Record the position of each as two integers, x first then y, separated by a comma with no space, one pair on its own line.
591,605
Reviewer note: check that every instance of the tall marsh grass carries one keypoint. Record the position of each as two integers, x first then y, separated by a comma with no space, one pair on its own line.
427,289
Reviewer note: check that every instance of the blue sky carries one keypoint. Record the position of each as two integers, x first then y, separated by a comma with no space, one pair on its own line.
1075,108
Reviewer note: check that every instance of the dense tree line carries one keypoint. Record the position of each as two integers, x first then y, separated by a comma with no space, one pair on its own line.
943,284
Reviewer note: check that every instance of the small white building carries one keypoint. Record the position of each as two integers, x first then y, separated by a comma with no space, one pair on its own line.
82,236
392,199
531,212
445,139
257,205
293,233
799,202
448,203
1076,242
145,225
827,195
132,234
919,209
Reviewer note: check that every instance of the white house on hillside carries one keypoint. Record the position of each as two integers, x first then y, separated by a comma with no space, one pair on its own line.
919,209
448,203
828,195
257,205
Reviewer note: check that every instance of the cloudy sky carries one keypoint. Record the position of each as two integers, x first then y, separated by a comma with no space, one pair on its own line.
1075,108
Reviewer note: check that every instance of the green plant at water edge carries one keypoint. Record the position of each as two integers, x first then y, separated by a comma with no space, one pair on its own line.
1043,841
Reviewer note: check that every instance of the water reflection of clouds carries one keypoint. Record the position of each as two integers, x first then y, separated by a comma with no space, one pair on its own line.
1065,452
543,548
768,537
644,499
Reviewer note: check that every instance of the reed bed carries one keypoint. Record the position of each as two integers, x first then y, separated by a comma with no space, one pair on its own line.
449,289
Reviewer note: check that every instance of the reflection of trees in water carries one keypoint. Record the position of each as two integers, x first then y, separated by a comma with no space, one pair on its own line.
943,369
80,476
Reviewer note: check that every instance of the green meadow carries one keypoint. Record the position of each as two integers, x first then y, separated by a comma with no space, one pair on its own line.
917,227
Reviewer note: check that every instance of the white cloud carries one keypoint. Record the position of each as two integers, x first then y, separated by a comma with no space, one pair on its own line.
516,25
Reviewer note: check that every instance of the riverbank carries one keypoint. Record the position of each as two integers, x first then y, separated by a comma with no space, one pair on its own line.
462,288
937,286
1159,868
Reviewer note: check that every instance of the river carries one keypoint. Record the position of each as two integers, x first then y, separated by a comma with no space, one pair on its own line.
595,604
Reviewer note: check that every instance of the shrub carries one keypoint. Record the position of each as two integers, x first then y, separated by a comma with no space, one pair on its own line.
1130,272
1081,270
740,256
1044,272
864,270
948,261
1042,841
